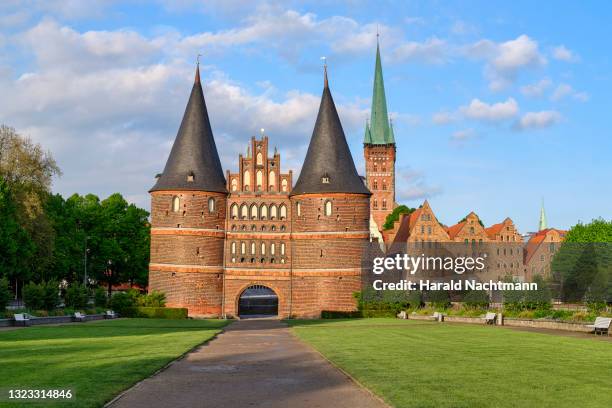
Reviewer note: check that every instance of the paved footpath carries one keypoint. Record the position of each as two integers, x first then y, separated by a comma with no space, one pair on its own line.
254,363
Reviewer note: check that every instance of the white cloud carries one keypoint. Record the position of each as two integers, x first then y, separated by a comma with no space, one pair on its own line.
433,51
536,89
562,53
505,60
108,106
538,120
565,90
443,118
463,135
495,112
412,185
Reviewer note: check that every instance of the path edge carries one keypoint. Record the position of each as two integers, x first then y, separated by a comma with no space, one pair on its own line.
165,367
342,370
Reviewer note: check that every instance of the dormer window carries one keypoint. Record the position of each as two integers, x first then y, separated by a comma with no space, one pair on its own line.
191,177
325,179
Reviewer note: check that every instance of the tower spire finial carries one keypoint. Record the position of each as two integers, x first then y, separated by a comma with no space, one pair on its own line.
325,84
197,75
543,224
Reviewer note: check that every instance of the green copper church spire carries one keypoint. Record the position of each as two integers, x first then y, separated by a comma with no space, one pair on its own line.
542,225
378,131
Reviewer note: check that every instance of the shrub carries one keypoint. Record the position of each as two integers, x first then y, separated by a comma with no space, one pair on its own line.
76,296
33,296
50,295
161,312
439,299
123,303
100,298
153,299
476,299
5,294
334,314
415,299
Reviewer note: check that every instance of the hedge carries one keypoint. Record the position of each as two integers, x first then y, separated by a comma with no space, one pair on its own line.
158,312
334,314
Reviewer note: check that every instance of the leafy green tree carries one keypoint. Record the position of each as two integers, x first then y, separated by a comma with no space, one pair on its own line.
100,298
34,296
76,296
5,294
50,292
16,248
395,215
585,261
540,298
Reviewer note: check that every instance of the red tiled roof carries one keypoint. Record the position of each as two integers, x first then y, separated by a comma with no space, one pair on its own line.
494,230
453,230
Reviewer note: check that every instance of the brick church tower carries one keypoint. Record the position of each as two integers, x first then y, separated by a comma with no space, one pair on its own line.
379,152
188,216
330,208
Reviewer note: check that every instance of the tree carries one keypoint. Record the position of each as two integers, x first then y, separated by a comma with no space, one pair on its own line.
584,261
28,170
395,215
16,247
5,294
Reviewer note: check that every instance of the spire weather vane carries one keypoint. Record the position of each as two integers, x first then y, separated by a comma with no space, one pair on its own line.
198,59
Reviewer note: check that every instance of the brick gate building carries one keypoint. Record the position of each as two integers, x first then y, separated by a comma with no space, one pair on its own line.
221,242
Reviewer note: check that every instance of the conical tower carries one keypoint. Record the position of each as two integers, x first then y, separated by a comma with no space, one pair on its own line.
330,209
542,224
188,209
379,151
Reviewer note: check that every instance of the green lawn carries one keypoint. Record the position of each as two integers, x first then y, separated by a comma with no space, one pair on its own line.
96,360
427,364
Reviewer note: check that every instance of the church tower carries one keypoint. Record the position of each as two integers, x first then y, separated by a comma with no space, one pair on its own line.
330,208
379,151
188,216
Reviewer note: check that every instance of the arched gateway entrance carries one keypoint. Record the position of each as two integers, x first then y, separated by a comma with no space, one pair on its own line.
258,301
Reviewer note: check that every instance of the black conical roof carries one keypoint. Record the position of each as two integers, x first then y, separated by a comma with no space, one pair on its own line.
329,166
194,152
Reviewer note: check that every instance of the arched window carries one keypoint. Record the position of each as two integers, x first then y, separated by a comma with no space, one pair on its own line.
211,205
234,211
259,159
263,212
298,208
246,179
282,249
272,180
283,212
263,248
384,204
375,185
284,184
328,208
253,212
384,168
384,185
243,248
244,212
375,204
375,167
234,184
233,248
252,248
259,180
176,204
272,249
273,213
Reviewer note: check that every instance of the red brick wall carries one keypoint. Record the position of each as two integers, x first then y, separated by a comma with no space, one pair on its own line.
187,250
380,177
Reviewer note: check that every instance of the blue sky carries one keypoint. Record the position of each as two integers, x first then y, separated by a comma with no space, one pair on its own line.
496,105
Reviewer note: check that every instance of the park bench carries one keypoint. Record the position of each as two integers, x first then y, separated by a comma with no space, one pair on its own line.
490,318
79,317
22,319
402,315
437,316
109,314
601,325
